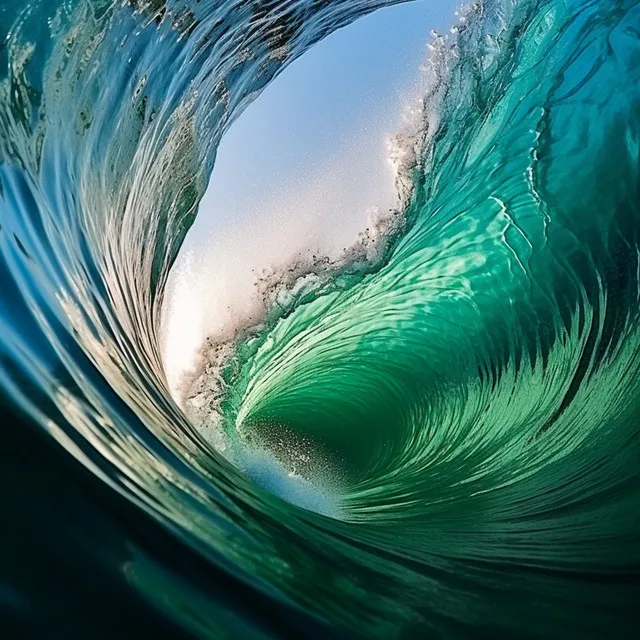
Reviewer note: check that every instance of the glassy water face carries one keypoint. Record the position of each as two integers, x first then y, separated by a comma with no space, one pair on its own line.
457,392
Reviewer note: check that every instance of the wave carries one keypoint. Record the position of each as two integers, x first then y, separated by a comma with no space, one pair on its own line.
452,419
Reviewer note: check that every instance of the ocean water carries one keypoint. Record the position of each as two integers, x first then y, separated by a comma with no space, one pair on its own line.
436,438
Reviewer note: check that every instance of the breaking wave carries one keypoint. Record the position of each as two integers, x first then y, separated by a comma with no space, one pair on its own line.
450,410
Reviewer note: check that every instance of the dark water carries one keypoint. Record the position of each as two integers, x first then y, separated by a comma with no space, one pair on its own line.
465,410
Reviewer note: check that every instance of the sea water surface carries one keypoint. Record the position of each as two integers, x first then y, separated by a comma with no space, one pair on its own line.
435,436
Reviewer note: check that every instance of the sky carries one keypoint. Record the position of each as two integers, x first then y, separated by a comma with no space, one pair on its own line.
300,171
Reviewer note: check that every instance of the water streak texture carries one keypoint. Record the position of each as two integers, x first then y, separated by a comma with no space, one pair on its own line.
475,392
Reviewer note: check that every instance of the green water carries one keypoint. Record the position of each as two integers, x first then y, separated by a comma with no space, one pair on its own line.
480,379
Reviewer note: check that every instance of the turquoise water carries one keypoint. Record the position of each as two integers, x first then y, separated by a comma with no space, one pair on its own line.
453,424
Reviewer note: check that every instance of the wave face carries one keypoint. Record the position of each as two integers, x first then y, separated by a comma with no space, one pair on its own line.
466,408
